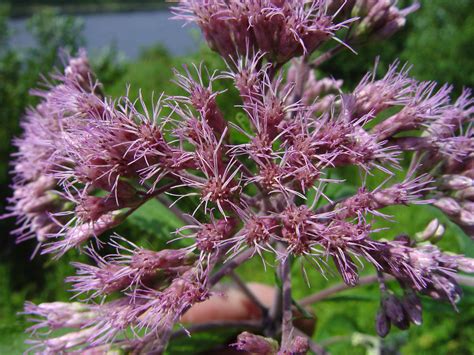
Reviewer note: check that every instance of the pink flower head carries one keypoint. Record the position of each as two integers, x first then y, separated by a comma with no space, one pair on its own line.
394,89
280,29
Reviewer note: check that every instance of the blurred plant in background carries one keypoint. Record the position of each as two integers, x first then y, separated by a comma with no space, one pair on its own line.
441,42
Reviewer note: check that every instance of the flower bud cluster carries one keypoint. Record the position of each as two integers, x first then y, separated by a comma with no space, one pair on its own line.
455,198
380,18
377,19
424,269
398,311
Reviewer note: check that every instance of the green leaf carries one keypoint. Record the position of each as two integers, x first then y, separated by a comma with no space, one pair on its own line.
304,312
243,122
155,218
201,342
12,339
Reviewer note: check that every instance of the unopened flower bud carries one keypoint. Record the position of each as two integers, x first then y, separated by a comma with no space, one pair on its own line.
382,323
433,231
448,205
412,305
468,206
469,173
466,194
393,308
40,220
390,28
256,344
404,240
40,204
467,218
380,19
455,182
465,264
403,324
299,346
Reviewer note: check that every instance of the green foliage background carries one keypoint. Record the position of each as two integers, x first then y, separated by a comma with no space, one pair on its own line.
438,41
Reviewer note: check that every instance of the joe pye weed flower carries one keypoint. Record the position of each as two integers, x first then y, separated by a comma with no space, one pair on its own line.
85,162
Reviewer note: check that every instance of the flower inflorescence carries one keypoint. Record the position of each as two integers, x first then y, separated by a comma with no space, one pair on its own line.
85,162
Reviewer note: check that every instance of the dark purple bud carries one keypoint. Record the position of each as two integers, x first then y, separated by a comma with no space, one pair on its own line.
403,324
413,309
382,323
393,308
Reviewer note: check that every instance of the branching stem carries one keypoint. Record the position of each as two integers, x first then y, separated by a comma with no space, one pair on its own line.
287,315
227,268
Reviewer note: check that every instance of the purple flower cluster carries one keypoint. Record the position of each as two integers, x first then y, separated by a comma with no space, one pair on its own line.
85,162
280,29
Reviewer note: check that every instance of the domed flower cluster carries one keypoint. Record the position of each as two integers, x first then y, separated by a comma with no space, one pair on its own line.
85,162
